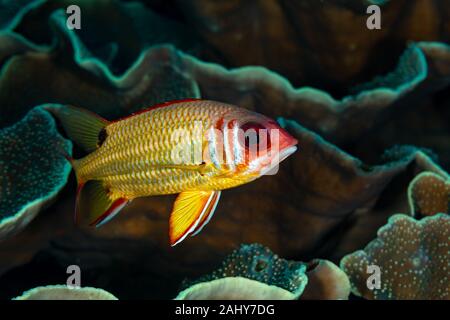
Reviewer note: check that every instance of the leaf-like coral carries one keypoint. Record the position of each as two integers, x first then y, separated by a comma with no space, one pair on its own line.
325,44
413,257
258,263
273,278
113,31
62,292
32,169
235,288
11,11
423,65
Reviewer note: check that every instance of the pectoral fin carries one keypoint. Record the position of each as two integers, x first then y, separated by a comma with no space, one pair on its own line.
192,210
95,206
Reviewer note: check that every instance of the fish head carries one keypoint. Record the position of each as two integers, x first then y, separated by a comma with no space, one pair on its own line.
253,145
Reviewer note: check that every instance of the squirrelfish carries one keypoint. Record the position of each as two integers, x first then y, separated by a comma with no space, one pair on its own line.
194,148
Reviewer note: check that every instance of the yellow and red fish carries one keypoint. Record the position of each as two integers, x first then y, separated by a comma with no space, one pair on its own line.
192,147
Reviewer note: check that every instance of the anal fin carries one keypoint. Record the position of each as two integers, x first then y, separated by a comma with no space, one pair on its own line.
95,206
209,212
191,212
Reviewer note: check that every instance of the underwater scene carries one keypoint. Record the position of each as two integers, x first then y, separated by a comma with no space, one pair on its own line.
225,150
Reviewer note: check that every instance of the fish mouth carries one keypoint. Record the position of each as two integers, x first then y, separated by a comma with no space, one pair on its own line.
286,152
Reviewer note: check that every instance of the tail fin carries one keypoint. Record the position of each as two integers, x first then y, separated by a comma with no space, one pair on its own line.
83,127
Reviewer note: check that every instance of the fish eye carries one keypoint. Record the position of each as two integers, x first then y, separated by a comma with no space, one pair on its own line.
254,134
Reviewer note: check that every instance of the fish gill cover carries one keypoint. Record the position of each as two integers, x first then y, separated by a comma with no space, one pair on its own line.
370,110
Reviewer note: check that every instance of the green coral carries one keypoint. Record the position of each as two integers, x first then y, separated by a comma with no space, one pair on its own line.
62,292
256,262
32,166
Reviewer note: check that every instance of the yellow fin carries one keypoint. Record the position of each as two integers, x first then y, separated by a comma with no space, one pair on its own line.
191,208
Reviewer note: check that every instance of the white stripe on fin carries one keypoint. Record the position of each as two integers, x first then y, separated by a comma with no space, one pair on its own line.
211,208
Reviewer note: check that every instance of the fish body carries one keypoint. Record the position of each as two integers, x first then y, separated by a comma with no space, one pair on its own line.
135,160
192,147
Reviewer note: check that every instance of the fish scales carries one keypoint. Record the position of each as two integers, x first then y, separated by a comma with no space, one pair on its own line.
131,168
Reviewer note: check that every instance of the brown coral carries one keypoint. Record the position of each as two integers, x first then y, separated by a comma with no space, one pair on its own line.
413,258
429,194
326,281
321,43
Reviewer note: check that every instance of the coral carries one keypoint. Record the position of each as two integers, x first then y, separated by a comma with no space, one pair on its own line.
11,11
159,81
257,262
257,88
324,44
323,61
235,288
413,257
276,278
377,109
423,65
33,169
325,281
113,31
62,292
327,200
429,194
330,196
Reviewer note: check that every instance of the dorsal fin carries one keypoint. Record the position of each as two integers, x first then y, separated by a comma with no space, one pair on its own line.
85,128
157,106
